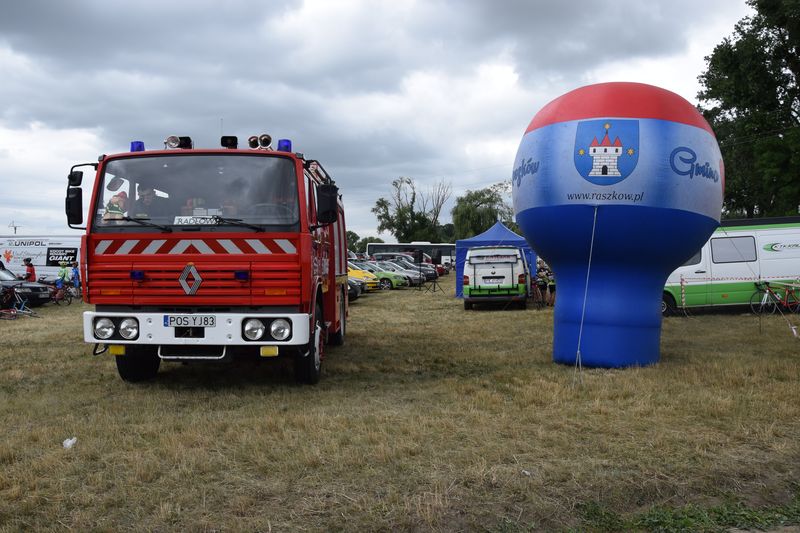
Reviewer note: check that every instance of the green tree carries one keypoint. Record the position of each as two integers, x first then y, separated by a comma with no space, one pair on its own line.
477,211
447,233
362,244
352,240
752,100
410,215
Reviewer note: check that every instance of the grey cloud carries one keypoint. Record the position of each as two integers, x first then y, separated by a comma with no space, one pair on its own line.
142,70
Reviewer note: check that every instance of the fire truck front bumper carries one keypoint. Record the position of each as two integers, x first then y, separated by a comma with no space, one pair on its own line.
221,329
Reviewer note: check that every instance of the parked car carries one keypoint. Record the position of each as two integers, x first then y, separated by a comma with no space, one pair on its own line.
428,270
414,277
391,256
386,279
35,293
495,274
353,289
367,277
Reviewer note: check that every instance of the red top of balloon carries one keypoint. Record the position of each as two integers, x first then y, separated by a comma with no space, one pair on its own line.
619,100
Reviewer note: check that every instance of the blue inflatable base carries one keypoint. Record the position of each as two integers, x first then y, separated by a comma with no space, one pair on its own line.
635,249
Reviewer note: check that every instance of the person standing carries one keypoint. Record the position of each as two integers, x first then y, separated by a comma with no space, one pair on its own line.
62,276
551,288
30,271
542,278
76,276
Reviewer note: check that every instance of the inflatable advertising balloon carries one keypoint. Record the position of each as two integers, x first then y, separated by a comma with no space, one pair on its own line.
615,185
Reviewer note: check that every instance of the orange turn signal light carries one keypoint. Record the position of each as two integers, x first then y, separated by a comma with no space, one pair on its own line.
275,292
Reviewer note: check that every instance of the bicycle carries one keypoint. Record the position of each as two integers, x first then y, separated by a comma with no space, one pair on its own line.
17,305
7,300
74,291
765,300
60,295
538,296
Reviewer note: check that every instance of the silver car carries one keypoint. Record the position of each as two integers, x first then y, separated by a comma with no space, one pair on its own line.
415,278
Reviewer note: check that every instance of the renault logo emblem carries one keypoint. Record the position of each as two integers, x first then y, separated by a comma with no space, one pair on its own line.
190,273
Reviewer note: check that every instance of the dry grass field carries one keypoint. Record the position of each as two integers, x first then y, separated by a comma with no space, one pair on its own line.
429,418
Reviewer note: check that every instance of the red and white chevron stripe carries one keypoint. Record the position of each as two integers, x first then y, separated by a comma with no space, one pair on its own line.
194,246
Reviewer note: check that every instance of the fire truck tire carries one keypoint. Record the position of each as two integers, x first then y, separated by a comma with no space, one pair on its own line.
308,362
140,363
337,339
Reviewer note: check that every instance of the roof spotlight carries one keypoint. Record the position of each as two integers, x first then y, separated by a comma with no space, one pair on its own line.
172,141
252,142
229,141
264,141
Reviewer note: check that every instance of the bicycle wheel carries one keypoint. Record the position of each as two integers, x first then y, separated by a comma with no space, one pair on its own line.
761,302
792,302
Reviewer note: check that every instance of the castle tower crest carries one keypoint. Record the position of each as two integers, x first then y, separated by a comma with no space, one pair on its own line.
605,155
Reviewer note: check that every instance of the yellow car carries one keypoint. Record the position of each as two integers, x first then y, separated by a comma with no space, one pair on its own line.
368,277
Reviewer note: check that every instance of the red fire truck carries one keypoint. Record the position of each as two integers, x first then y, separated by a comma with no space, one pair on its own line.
211,254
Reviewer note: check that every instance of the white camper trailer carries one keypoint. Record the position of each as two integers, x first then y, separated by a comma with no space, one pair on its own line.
46,252
738,255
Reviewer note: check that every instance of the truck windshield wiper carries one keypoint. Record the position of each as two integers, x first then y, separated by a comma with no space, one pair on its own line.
146,222
237,222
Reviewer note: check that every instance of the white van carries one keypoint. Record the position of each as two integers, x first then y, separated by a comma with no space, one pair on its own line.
495,274
46,252
738,255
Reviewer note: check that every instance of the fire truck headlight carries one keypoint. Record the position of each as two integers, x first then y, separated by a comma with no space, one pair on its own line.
103,328
253,329
280,329
129,328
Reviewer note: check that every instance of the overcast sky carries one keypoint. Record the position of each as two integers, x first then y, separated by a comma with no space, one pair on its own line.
432,90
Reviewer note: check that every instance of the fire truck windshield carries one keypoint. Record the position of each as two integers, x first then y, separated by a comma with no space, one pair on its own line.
220,192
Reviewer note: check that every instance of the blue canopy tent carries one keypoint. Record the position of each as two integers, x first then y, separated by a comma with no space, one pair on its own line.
497,234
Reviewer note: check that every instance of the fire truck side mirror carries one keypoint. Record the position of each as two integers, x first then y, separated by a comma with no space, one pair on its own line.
74,205
75,178
327,204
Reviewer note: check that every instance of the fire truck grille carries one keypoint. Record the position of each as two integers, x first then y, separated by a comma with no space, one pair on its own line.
219,284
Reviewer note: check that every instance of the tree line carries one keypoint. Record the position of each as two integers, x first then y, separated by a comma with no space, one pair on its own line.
411,214
750,96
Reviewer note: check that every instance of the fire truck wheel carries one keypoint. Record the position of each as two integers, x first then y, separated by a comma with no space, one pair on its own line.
140,363
337,339
308,362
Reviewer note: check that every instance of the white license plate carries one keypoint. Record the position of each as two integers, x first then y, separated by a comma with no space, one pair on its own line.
493,281
190,321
